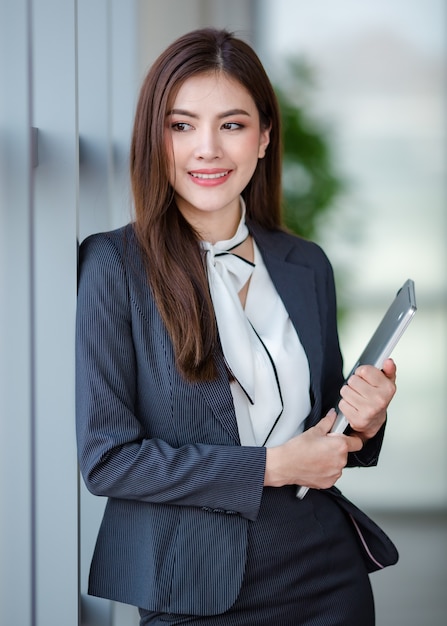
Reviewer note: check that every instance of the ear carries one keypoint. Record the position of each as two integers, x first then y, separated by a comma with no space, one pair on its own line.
264,141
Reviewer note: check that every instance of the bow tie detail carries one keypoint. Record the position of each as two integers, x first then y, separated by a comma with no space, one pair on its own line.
227,274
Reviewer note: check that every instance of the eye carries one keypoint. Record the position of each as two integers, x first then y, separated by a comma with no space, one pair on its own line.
232,126
181,127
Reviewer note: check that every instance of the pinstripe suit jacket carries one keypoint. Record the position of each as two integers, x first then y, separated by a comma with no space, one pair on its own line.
181,489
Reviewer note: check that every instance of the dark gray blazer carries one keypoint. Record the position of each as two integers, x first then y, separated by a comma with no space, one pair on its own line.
181,489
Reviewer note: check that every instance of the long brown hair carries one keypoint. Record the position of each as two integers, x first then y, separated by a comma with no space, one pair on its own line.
170,245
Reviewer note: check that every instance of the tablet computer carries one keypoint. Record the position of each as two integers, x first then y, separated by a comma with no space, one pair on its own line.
382,343
387,334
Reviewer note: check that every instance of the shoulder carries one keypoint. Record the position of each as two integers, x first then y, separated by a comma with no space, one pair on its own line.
108,258
108,242
109,249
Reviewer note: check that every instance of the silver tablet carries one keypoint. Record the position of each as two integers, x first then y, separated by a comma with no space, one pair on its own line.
385,338
381,344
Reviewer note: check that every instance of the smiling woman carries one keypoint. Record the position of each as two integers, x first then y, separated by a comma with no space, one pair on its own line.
174,262
207,365
214,139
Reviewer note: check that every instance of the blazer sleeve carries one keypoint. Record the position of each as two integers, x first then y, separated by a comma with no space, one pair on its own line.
116,458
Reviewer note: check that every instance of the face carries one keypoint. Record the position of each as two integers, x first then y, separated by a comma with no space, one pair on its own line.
214,140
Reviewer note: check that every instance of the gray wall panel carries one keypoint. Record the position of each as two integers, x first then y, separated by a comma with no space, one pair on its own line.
55,222
16,334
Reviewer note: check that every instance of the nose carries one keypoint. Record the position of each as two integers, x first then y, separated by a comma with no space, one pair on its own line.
208,145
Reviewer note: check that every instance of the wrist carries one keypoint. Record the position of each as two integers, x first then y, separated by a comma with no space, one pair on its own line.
272,475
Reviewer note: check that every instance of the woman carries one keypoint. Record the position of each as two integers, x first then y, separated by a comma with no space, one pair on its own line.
207,365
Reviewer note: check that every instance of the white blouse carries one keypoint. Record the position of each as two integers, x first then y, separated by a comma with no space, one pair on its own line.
268,316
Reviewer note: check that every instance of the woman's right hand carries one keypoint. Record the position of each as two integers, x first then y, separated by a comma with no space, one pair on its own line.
315,458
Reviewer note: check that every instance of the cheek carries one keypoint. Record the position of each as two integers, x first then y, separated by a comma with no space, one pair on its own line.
248,152
178,150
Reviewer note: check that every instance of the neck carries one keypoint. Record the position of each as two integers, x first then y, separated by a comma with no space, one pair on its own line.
215,226
218,230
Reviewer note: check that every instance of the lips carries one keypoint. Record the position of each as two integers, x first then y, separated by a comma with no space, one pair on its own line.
209,177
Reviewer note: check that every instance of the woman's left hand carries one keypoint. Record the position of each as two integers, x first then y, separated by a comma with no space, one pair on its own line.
366,396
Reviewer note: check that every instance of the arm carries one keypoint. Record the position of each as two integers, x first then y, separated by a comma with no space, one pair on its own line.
121,454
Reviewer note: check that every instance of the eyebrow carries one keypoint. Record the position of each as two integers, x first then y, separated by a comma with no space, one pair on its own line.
222,115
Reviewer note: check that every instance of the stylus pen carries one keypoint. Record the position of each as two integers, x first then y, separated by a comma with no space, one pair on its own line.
301,492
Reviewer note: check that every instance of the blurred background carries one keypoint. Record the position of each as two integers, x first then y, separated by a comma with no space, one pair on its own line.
363,93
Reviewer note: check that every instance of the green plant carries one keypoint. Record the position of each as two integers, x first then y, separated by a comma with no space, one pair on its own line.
310,180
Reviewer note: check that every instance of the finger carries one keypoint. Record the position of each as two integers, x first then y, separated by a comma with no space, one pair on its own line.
369,384
326,422
355,443
373,375
389,369
363,400
367,373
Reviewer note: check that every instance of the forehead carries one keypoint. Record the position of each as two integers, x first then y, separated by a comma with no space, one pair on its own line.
216,90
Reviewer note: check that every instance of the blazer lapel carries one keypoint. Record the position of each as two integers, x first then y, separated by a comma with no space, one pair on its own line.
218,396
295,286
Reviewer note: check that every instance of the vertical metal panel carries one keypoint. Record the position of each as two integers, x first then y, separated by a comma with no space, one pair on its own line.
94,68
124,89
94,115
54,267
16,335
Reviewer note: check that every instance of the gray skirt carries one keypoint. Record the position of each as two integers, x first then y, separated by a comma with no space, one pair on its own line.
304,568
